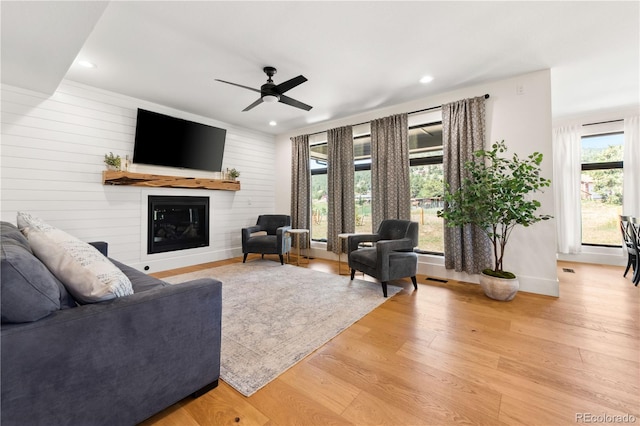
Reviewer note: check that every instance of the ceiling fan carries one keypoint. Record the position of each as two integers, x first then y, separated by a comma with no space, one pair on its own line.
271,92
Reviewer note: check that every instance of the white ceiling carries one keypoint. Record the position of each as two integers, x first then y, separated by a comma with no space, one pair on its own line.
357,56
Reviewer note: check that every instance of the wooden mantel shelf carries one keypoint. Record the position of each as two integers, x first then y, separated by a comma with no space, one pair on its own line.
112,177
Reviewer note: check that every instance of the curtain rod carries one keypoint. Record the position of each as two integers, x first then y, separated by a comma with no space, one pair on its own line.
486,96
602,122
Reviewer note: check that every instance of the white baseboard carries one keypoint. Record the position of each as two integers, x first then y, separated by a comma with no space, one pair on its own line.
433,266
182,258
614,256
429,265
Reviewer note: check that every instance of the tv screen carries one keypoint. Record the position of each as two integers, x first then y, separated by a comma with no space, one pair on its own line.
162,140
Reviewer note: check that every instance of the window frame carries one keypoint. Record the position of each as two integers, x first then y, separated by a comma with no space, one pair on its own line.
604,165
422,161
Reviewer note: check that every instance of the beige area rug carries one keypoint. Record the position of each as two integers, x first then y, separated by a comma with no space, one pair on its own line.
274,315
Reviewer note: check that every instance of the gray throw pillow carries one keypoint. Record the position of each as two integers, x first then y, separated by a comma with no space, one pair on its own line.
29,290
11,232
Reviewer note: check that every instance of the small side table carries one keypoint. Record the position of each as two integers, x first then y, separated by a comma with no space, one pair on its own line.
297,233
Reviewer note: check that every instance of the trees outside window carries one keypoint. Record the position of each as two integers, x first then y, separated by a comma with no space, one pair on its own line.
427,185
601,188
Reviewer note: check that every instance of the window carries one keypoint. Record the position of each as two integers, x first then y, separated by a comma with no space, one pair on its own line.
319,191
319,187
427,185
426,172
601,188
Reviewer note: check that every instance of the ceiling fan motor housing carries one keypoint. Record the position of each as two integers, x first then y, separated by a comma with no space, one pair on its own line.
269,88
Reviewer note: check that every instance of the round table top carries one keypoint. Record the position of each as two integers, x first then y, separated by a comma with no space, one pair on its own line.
298,231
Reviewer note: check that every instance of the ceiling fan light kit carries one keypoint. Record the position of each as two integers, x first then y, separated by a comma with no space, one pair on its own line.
271,92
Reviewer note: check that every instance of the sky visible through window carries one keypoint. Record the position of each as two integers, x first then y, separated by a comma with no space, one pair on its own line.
602,141
599,143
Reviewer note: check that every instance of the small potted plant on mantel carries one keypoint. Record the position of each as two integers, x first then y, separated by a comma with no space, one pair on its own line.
495,198
233,174
113,162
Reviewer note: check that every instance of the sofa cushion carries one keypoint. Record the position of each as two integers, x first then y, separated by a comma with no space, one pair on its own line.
139,280
87,274
365,256
29,290
262,242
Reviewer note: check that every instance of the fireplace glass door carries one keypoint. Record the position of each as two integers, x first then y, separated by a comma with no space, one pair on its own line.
177,223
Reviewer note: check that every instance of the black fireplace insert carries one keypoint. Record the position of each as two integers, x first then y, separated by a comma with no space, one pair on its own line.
177,223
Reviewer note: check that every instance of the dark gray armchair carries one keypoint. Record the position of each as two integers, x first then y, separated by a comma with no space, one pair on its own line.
270,238
391,257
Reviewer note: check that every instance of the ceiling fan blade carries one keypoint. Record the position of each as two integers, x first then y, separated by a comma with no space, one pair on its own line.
256,103
239,85
290,84
289,101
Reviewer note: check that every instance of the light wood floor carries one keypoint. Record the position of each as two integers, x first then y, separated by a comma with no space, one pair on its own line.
446,354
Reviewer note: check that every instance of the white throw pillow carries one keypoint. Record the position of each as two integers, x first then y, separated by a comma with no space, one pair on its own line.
87,274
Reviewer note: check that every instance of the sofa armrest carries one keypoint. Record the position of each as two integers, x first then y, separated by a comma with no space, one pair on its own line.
282,230
115,362
384,249
353,241
102,246
246,232
283,241
401,244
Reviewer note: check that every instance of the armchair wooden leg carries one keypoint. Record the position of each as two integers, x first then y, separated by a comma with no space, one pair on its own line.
244,259
353,273
415,282
384,289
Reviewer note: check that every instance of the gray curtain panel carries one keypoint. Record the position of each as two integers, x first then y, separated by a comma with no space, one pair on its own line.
340,176
463,126
300,184
390,185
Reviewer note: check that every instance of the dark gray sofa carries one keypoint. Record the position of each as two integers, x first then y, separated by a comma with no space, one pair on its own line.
116,362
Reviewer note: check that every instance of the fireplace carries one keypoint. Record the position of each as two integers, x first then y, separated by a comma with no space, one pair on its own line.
177,223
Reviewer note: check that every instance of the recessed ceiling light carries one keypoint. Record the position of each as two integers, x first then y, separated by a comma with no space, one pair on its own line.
87,64
273,123
426,79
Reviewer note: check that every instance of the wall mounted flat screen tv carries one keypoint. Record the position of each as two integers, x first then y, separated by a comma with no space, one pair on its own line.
162,140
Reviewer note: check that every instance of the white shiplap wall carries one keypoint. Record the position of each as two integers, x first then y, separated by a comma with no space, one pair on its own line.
52,151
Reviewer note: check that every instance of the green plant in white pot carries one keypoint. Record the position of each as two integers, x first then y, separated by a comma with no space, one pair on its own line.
113,162
495,197
233,174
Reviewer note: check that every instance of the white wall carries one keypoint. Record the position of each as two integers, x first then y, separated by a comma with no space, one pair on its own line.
523,119
51,166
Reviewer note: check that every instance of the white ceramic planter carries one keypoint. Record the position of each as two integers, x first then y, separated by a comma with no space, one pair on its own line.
503,289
